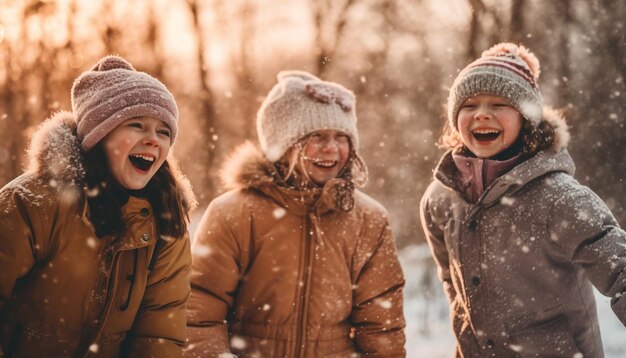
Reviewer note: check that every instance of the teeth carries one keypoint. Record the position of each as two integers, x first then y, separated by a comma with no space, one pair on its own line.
486,131
326,164
144,157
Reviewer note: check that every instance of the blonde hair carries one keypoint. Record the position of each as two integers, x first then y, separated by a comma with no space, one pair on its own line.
354,171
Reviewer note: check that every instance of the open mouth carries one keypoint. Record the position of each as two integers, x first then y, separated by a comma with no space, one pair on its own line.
325,164
142,162
486,135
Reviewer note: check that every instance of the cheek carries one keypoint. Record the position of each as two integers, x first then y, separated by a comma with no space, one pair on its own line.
309,150
344,151
463,122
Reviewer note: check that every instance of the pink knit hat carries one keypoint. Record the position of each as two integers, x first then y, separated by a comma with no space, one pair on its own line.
111,92
299,104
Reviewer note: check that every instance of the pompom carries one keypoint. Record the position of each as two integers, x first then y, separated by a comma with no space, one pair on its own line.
305,76
513,50
112,63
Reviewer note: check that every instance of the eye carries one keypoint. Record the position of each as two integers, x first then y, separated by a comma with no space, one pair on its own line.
135,124
468,106
164,132
342,137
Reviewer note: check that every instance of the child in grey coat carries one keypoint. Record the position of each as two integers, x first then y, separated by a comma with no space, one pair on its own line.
517,240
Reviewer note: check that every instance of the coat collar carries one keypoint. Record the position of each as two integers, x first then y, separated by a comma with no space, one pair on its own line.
553,159
248,168
56,156
541,164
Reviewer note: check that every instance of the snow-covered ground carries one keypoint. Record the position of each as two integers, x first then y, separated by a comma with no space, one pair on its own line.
426,310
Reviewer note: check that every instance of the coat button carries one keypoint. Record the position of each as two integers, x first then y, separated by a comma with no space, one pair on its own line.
473,225
144,212
490,343
145,237
476,280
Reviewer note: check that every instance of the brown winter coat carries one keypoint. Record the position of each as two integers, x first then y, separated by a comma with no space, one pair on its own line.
66,293
518,265
279,273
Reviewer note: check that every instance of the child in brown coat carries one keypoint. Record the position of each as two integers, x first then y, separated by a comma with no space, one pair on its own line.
293,261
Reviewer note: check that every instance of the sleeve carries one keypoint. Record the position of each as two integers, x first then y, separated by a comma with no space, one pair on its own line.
377,314
216,270
435,239
21,239
159,327
585,229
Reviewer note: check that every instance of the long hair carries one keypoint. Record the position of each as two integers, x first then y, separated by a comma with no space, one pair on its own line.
106,197
355,170
532,139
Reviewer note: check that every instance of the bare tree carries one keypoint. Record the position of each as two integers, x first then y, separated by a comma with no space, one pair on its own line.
206,114
327,46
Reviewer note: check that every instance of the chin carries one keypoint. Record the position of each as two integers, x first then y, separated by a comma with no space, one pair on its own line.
134,186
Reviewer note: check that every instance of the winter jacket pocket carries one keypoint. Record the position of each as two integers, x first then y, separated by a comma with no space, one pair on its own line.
543,334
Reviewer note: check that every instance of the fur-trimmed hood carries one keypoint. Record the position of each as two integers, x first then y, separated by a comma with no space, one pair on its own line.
56,156
561,132
248,168
551,160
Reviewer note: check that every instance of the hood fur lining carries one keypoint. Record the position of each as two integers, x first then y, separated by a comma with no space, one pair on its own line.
561,131
56,155
246,167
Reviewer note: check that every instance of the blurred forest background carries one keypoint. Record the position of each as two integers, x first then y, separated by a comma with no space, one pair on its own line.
220,58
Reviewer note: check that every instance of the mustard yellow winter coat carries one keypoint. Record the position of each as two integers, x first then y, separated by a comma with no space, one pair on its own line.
66,293
281,273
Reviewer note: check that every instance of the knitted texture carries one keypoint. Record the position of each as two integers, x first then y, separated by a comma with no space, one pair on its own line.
505,70
299,104
112,92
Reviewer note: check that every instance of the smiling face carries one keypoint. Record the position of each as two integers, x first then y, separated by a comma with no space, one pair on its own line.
325,154
136,149
488,125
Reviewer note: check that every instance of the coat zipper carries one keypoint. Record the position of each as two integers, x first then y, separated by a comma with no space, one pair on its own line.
303,297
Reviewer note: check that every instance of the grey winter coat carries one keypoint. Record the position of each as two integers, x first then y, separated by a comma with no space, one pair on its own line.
518,265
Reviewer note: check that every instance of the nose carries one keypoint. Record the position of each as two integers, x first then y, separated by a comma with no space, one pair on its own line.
330,145
482,112
151,139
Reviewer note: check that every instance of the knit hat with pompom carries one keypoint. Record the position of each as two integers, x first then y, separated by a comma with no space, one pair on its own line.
111,92
299,104
505,70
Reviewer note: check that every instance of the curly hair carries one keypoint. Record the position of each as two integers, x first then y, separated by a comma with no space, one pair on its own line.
533,139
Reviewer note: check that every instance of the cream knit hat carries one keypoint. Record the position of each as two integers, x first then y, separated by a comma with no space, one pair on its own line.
111,92
505,70
299,104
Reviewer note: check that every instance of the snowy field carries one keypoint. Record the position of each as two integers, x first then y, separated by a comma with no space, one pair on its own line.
426,310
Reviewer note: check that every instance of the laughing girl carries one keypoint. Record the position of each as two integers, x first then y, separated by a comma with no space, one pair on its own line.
94,253
517,240
293,261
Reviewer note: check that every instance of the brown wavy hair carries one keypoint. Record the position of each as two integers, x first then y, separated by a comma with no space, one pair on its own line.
533,139
106,197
